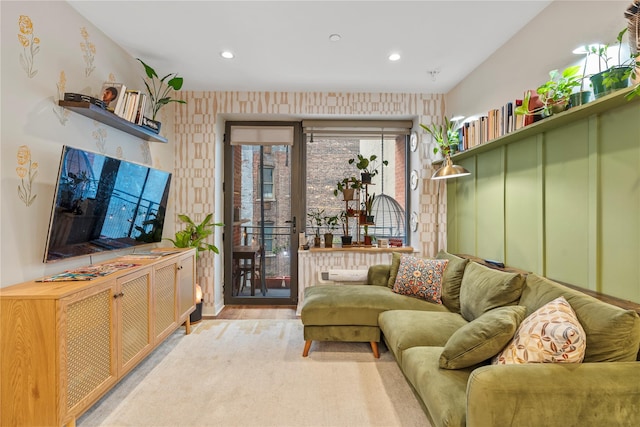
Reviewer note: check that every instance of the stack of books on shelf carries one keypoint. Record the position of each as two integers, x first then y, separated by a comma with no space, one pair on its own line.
494,124
129,104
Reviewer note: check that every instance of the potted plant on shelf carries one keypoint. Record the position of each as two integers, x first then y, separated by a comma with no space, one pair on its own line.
554,93
369,167
315,220
347,187
343,220
160,89
446,136
368,217
331,223
615,76
194,236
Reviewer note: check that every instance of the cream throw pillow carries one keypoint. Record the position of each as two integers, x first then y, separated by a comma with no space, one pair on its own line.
551,334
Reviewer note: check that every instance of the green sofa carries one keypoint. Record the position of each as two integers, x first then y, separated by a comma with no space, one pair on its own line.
435,346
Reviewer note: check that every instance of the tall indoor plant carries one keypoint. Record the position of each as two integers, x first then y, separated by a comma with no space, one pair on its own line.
159,89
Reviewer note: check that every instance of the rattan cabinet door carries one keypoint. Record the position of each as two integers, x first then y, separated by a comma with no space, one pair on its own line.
134,320
186,286
88,344
164,296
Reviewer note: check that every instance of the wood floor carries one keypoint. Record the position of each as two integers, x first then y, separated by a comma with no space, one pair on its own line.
256,312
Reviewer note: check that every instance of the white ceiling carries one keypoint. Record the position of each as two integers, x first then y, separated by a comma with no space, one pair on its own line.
284,45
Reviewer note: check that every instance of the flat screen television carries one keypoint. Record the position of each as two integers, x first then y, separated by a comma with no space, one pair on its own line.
102,204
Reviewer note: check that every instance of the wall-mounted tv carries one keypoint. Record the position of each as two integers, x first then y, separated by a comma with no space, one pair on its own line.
102,203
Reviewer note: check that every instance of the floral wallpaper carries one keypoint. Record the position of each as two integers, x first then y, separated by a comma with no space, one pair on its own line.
29,43
88,52
26,169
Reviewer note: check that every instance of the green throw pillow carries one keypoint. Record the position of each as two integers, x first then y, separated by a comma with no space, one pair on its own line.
482,338
395,264
452,280
484,289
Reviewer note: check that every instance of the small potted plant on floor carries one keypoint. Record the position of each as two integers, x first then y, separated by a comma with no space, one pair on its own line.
368,166
194,236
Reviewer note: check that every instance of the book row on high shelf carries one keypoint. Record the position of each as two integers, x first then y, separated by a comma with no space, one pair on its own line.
494,124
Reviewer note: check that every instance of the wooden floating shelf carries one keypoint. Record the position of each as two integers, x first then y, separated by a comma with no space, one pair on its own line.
108,118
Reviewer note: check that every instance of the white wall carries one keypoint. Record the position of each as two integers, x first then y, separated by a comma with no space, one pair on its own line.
545,44
30,117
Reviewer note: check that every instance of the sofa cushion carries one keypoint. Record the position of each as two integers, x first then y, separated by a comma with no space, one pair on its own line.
613,334
452,279
551,334
404,329
420,278
378,275
484,289
393,271
355,304
482,338
442,391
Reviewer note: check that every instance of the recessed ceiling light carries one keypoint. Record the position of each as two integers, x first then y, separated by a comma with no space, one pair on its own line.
335,37
394,57
227,54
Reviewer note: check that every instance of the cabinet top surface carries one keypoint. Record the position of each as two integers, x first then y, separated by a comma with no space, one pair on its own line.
55,290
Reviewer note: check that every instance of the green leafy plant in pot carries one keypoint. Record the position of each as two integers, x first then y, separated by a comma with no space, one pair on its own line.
446,136
159,89
316,216
347,187
343,220
368,166
331,222
616,76
554,93
194,235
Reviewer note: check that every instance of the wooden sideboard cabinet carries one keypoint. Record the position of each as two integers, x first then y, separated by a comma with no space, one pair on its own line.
65,344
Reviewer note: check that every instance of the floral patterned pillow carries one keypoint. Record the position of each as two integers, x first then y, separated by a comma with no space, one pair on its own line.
551,334
420,278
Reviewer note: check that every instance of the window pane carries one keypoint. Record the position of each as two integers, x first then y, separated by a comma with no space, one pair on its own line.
328,162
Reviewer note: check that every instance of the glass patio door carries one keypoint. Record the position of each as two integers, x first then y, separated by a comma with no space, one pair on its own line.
262,212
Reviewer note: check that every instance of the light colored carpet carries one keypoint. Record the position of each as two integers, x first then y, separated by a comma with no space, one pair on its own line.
252,373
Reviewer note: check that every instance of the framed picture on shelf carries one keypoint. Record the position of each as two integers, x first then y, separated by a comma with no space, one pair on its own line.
112,93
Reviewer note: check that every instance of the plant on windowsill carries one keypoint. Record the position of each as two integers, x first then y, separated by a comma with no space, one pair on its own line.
331,222
368,167
316,216
343,220
160,88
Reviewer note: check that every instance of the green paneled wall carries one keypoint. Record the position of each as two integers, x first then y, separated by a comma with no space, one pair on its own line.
560,198
620,204
523,205
490,204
